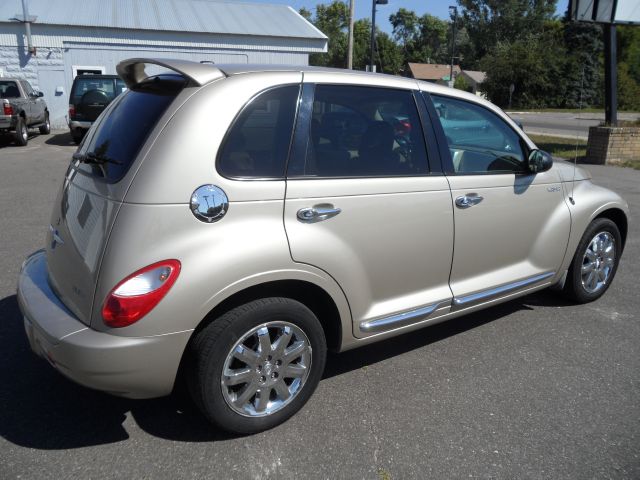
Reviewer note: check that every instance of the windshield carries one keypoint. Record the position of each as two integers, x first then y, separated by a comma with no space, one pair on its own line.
115,140
9,89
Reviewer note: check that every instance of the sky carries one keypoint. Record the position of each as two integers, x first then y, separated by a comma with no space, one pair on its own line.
438,8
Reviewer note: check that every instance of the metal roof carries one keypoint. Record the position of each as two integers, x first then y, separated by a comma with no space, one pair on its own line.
203,16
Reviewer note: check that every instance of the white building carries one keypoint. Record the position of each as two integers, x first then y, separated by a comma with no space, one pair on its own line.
75,36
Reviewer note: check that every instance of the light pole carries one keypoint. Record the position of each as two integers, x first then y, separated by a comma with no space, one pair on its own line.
373,29
453,41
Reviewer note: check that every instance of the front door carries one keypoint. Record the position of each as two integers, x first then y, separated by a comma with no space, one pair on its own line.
362,205
511,226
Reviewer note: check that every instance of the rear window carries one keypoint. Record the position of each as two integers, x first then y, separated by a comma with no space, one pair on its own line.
90,89
9,89
123,129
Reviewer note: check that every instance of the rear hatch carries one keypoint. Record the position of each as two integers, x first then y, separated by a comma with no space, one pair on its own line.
94,186
91,94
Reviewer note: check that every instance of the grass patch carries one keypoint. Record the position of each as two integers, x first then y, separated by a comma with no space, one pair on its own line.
631,164
560,147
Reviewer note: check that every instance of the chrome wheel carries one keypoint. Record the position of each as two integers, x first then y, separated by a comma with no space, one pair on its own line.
266,369
24,132
598,262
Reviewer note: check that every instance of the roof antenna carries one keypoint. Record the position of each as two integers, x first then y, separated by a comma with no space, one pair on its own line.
575,157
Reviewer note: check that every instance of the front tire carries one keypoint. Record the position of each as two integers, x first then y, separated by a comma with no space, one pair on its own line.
257,365
22,133
46,128
595,262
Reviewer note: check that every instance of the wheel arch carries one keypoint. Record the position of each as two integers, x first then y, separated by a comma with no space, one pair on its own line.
314,297
617,216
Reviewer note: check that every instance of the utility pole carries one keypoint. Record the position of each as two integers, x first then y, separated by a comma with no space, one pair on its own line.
350,47
453,41
373,30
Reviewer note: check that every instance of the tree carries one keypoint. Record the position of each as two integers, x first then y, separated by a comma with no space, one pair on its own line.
461,83
333,21
533,81
405,28
628,89
491,21
582,63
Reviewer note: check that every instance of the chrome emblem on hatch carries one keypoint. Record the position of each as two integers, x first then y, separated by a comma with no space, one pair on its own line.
56,239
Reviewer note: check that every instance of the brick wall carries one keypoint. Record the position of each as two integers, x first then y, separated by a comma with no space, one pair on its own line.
613,145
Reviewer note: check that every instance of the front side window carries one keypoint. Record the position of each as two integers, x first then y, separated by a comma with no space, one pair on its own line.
479,140
27,87
363,131
257,145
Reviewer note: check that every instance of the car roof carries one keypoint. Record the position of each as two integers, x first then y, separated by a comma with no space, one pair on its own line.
202,73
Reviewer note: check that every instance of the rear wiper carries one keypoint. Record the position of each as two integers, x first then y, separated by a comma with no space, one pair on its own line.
94,158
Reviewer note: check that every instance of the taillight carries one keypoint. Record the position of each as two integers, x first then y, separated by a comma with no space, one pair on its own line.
139,293
72,110
8,109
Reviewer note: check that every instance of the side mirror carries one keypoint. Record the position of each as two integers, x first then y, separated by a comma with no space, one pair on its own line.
40,94
539,161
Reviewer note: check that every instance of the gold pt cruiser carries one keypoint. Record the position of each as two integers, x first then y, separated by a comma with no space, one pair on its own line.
230,224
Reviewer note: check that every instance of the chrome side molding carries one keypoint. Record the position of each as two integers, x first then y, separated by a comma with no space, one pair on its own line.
479,297
402,319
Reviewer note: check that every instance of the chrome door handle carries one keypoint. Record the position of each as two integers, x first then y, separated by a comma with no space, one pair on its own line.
317,213
468,200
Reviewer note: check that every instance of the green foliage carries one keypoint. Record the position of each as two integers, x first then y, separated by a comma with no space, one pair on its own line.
529,75
333,21
629,49
461,84
491,21
628,89
423,39
551,62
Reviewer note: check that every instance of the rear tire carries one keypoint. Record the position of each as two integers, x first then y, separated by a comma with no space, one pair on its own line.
46,128
257,365
77,136
595,262
22,133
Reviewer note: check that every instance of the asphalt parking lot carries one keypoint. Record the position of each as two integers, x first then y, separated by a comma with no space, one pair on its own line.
534,388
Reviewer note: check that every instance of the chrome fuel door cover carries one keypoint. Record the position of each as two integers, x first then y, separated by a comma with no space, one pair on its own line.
209,203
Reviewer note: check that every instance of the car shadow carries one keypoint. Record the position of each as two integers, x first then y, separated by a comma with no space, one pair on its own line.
63,139
43,410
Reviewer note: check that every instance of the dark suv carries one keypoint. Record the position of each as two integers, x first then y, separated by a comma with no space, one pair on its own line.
90,95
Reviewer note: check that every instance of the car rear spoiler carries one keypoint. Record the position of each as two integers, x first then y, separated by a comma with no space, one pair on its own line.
132,70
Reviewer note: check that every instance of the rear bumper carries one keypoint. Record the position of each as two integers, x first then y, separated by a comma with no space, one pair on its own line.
7,122
133,367
75,124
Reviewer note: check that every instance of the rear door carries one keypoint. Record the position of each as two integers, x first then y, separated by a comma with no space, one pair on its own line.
91,194
363,204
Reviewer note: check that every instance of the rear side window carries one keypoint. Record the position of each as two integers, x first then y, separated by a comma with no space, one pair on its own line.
363,131
9,89
116,140
257,145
